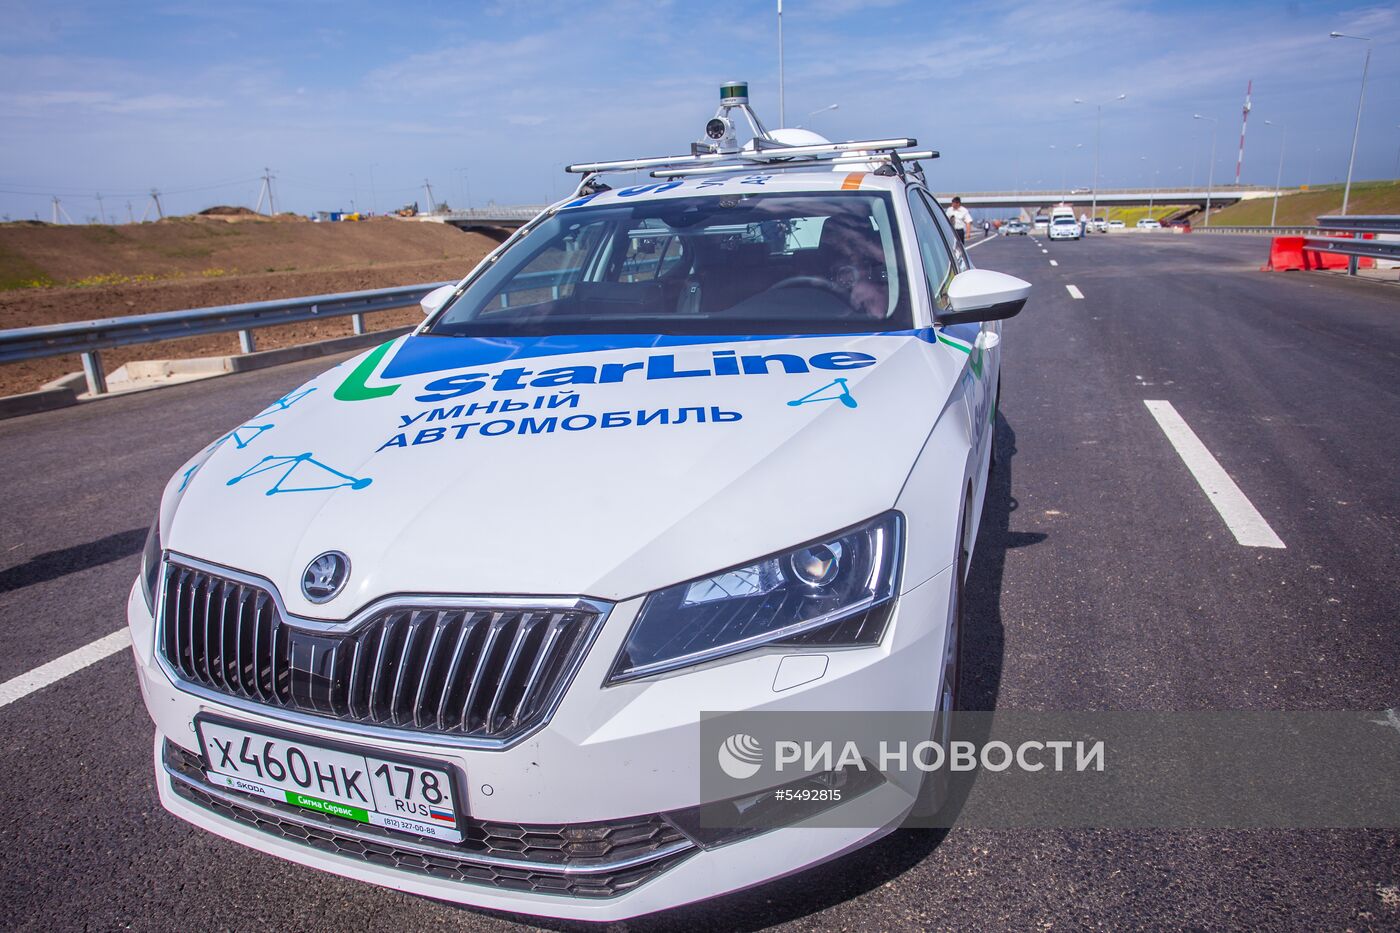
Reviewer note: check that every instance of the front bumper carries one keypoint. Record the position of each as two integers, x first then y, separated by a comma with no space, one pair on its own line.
625,753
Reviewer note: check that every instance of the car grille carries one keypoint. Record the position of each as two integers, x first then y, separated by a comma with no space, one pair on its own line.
596,860
490,673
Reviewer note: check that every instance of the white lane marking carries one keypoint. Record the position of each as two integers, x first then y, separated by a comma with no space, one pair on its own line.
17,688
1053,263
1045,251
1248,526
967,246
1074,291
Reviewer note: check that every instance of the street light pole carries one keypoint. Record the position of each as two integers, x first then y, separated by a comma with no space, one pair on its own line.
782,103
1356,130
1210,177
1278,182
828,108
1098,126
1151,194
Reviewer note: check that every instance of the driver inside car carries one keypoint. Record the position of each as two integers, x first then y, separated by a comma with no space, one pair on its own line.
853,260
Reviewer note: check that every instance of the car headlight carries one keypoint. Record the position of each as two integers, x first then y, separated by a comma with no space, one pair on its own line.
150,565
835,592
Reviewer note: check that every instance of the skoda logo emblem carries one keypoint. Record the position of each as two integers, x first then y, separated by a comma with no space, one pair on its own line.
325,576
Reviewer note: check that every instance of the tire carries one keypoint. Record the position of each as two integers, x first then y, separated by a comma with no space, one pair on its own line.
934,792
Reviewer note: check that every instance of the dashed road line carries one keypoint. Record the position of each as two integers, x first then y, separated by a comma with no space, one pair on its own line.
967,246
1053,263
17,688
1045,251
1074,291
1243,519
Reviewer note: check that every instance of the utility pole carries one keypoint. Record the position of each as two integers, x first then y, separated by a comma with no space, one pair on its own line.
1244,122
160,211
130,217
1356,131
373,198
100,212
266,189
428,190
55,209
1210,182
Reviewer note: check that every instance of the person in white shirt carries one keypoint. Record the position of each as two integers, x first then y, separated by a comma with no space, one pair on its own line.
961,219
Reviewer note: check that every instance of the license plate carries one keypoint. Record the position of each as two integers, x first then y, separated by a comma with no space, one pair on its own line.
391,791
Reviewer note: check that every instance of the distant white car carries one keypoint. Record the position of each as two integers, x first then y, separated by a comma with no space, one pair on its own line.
1116,225
1064,227
1147,223
1100,225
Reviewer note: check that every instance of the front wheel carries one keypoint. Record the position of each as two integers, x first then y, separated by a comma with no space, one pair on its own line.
933,794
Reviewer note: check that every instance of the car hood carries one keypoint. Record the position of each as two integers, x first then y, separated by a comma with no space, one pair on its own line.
581,466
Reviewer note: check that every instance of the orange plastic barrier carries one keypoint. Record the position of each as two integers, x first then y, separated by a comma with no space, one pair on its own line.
1287,254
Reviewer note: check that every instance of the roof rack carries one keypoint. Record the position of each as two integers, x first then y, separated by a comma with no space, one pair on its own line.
857,158
723,154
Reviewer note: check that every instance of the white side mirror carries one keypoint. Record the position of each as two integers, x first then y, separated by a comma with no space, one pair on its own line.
436,298
984,295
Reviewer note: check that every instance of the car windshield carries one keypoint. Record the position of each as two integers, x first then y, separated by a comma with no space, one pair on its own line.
828,262
1063,221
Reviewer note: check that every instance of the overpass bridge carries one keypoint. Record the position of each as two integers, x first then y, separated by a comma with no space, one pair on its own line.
1110,197
494,218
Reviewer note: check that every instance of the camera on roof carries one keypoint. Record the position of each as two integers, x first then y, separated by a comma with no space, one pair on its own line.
718,128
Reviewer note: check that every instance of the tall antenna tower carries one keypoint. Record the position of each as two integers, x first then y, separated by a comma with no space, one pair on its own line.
428,190
266,189
1244,124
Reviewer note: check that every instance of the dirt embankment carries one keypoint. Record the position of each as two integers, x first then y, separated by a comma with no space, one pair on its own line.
184,263
1304,207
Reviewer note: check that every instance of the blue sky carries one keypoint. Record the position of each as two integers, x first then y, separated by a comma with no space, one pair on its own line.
361,101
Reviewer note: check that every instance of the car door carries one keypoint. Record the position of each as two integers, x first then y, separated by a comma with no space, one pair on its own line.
980,340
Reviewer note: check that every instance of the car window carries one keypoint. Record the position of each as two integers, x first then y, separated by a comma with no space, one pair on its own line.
933,249
959,255
819,262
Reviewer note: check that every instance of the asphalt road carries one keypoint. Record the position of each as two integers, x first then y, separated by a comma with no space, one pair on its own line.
1103,580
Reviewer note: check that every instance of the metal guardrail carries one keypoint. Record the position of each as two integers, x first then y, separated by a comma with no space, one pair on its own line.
1361,223
1353,247
89,337
1340,234
1266,230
